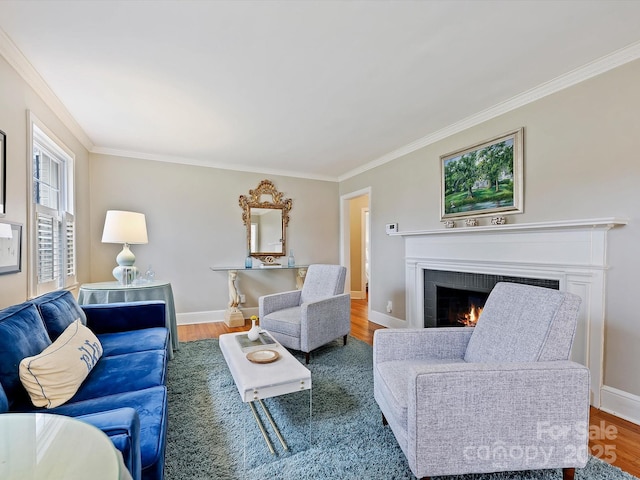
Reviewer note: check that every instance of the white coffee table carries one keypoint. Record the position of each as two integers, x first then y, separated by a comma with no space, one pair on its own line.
257,381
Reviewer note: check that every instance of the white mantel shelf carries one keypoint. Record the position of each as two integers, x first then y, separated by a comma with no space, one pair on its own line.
595,223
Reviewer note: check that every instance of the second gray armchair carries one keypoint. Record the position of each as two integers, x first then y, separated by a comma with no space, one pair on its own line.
309,318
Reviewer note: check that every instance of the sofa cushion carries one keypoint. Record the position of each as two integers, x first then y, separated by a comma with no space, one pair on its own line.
59,309
124,373
151,405
131,341
22,334
53,376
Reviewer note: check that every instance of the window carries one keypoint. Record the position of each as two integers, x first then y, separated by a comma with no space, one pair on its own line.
53,223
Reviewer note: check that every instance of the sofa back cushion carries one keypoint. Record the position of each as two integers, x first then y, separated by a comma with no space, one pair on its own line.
22,334
54,376
523,323
59,309
323,281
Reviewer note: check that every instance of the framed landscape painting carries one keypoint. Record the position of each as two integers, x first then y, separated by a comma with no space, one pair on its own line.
483,179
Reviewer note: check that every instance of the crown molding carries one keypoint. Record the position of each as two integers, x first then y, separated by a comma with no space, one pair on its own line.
20,64
204,163
601,65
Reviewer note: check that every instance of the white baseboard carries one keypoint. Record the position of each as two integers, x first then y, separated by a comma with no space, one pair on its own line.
386,320
358,295
620,403
191,318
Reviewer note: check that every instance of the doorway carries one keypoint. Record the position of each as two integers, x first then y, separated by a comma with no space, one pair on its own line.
355,245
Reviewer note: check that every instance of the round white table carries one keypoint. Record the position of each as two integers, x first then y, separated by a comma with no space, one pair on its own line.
113,292
39,446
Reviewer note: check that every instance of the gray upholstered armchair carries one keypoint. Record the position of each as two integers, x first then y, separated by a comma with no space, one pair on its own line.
309,318
502,396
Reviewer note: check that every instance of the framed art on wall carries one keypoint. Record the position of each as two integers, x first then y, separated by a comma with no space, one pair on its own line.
3,171
10,247
483,179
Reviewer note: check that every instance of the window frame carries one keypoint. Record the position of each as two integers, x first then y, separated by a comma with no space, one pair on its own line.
64,267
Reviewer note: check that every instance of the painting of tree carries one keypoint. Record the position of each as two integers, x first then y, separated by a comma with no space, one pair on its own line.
483,179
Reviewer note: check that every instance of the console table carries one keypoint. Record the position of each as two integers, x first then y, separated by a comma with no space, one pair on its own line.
41,446
113,292
233,316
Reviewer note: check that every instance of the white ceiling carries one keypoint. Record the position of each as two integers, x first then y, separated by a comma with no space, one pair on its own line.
318,89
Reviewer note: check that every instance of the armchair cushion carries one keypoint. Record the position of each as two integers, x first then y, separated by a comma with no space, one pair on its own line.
53,376
286,321
521,323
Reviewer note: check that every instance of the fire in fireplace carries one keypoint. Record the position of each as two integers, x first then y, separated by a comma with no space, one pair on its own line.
459,308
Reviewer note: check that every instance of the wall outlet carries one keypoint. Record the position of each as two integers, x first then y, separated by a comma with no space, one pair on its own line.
389,306
243,298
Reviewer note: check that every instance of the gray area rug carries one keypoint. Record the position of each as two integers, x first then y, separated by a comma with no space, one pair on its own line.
208,424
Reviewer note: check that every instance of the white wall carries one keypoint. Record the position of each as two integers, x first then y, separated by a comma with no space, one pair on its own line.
581,161
16,98
194,221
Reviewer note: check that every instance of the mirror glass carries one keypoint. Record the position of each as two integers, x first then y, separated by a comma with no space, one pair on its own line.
266,230
266,216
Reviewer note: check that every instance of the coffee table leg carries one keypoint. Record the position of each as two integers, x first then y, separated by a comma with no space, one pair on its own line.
264,433
273,425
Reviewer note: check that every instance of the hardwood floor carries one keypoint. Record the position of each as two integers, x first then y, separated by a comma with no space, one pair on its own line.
612,439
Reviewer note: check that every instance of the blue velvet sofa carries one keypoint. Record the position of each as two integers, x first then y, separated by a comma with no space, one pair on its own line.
125,393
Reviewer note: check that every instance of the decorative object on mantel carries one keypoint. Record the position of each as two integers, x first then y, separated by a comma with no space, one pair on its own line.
266,221
10,247
483,179
291,261
498,221
471,222
449,224
3,173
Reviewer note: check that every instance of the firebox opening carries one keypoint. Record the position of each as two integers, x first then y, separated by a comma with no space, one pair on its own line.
458,308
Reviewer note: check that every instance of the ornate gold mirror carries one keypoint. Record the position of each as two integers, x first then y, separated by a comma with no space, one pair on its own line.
266,221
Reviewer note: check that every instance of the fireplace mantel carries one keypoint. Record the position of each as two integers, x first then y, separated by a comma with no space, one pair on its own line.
597,223
574,252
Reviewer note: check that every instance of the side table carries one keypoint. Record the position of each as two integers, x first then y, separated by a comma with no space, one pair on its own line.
41,446
113,292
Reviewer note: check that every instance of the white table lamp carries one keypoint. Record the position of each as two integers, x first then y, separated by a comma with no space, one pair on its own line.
127,228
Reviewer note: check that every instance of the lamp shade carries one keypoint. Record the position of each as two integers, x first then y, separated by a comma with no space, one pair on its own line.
5,231
124,227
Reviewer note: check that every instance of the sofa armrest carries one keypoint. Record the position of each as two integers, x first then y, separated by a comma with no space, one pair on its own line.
324,320
278,301
458,412
416,343
122,426
121,317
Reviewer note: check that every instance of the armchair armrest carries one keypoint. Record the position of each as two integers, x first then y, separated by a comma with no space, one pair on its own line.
122,426
538,408
324,320
121,317
271,303
415,343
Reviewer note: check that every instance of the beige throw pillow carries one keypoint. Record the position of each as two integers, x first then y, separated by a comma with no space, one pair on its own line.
54,376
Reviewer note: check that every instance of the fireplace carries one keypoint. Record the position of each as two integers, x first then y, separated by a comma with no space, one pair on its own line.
570,253
449,296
